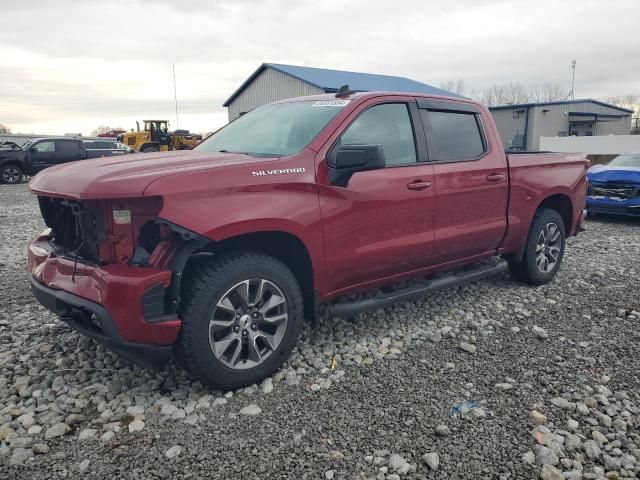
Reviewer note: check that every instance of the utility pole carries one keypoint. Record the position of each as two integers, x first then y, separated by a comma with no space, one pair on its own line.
573,79
175,94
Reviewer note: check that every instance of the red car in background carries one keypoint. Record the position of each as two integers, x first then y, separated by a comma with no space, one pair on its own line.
112,133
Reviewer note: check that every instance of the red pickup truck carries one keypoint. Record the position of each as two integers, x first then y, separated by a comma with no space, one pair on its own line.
219,253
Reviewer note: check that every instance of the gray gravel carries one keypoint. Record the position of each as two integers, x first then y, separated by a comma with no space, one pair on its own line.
529,383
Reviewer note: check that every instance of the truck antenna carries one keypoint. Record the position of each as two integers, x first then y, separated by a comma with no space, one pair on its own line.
344,91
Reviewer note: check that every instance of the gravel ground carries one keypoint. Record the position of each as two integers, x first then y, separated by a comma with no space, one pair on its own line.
491,380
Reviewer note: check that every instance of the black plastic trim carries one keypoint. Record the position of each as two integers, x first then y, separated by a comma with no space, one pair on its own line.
419,133
185,233
75,312
351,308
153,303
447,106
177,265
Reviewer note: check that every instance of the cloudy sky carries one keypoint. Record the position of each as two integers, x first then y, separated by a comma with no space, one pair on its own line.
68,66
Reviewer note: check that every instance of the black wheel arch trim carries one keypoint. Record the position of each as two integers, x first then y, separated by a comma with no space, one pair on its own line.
192,243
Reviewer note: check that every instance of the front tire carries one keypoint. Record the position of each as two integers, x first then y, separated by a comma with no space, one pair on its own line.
241,318
11,174
150,149
543,251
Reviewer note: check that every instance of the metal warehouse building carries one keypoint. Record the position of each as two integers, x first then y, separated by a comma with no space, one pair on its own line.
272,82
521,126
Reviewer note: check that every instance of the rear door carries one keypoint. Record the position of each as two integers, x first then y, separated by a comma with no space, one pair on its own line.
471,178
69,151
381,223
103,148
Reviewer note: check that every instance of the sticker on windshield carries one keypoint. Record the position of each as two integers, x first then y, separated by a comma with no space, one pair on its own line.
330,103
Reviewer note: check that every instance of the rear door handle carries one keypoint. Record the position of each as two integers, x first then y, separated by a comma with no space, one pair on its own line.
495,177
419,184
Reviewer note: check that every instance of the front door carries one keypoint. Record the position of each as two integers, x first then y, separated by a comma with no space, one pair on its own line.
381,223
471,175
42,155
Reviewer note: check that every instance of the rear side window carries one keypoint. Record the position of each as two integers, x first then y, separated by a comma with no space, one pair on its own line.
388,125
100,145
67,146
453,135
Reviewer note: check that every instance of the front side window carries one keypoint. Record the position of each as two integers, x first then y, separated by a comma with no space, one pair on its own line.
45,147
453,135
388,125
274,130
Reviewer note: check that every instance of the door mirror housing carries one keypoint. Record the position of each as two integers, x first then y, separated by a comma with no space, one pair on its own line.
345,160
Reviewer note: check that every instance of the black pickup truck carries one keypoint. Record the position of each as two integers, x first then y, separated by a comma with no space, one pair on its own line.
40,153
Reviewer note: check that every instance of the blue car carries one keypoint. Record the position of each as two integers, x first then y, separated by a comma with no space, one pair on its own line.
614,188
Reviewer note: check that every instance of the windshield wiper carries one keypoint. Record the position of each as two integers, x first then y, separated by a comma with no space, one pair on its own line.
227,151
253,154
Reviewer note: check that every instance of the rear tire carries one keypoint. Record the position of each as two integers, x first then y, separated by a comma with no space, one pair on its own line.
149,149
11,174
241,318
543,251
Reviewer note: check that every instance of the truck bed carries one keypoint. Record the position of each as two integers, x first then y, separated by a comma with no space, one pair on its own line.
534,174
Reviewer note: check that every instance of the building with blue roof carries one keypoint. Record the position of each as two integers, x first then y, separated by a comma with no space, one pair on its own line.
273,81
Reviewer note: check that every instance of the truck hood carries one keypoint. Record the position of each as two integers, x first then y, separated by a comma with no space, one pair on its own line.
605,173
127,176
6,154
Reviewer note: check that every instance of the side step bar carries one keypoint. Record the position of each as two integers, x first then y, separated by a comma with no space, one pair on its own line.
351,308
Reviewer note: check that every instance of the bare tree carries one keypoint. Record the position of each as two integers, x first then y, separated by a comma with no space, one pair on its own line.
4,129
547,92
454,86
505,94
630,102
103,129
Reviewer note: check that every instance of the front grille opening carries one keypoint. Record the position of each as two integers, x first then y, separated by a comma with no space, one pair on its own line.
615,190
75,229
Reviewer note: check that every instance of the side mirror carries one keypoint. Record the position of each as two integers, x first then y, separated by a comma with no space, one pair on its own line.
33,149
345,160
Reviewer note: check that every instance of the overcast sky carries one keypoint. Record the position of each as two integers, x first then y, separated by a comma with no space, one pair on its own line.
68,66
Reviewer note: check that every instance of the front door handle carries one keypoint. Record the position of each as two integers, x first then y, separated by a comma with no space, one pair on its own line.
495,177
419,184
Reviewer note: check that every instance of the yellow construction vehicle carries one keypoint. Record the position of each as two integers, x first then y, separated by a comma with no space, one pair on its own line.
156,137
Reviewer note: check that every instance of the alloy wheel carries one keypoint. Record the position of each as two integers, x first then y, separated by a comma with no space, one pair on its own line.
548,247
248,323
11,175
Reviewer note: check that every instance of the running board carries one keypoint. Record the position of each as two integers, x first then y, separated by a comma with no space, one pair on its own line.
351,308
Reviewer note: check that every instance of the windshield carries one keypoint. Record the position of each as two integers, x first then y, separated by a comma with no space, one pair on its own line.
26,145
274,130
626,160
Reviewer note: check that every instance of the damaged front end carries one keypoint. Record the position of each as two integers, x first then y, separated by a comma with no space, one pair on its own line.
614,197
112,270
